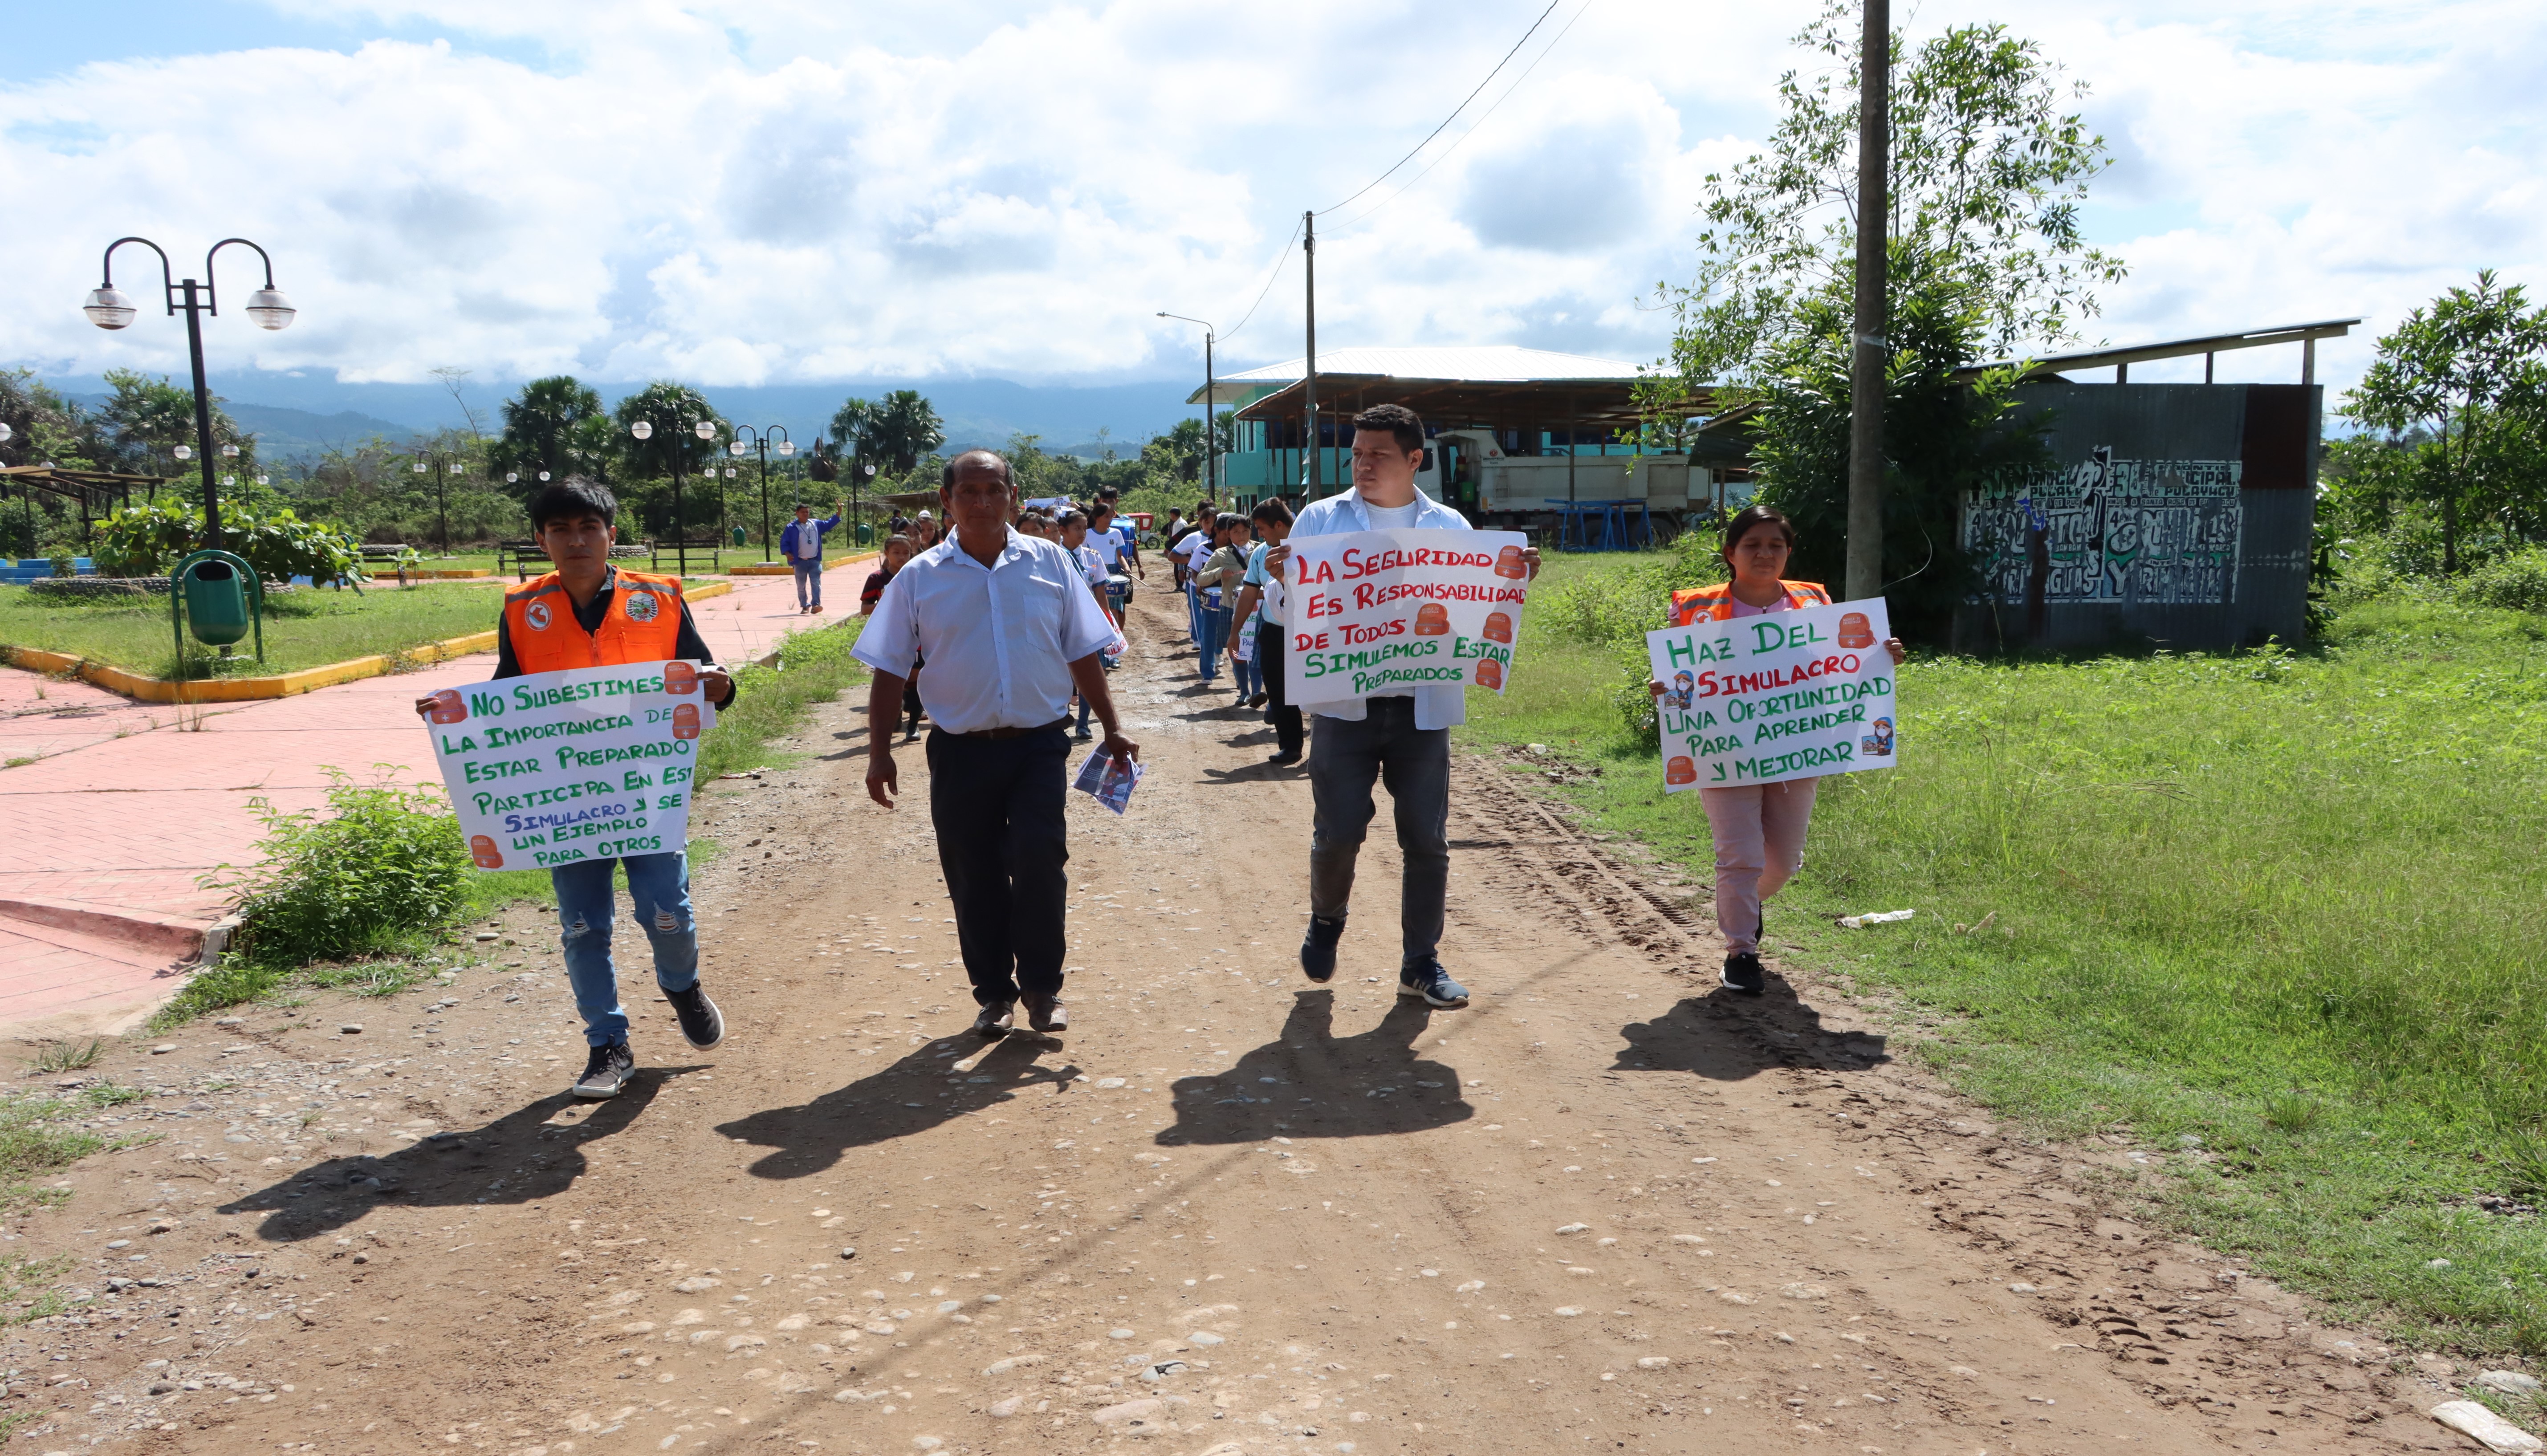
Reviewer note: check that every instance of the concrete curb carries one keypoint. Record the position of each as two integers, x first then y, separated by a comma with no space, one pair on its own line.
143,689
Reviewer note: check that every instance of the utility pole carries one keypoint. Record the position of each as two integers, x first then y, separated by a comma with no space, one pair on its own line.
1309,415
1865,573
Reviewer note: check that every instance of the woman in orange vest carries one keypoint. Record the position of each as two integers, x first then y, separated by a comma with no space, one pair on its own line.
1758,828
585,613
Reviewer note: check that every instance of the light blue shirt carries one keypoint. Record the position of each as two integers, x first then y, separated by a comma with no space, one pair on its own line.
997,640
1268,587
1437,707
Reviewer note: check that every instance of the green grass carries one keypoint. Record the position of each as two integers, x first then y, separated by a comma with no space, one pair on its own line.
2273,915
815,667
304,628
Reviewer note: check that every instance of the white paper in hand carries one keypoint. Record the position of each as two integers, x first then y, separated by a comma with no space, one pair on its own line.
1108,780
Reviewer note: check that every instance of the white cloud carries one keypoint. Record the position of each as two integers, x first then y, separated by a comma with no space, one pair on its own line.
771,191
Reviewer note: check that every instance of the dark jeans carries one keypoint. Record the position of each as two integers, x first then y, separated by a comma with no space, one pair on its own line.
1269,660
1001,842
1344,760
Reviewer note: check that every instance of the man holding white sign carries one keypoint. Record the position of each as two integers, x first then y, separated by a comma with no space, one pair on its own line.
590,767
1761,686
1379,654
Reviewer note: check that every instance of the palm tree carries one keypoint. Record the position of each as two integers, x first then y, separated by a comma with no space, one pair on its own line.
904,428
550,426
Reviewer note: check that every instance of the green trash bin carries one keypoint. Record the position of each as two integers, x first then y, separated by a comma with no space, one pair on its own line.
218,599
866,534
737,536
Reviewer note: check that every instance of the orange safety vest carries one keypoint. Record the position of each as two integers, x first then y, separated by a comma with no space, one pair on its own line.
643,625
1715,603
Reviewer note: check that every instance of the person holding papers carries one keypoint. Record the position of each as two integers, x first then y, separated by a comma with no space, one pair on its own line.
1758,828
587,613
1401,739
1009,625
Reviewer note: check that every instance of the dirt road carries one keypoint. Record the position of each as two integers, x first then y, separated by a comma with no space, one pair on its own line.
1606,1207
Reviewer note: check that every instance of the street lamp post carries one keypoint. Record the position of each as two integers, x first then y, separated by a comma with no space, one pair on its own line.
643,429
110,308
443,464
1210,422
760,441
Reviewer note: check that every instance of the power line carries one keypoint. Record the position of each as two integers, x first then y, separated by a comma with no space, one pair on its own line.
1473,130
1270,278
1462,106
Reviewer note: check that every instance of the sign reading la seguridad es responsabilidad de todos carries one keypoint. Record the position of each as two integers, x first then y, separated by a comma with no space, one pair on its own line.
550,768
1786,694
1385,611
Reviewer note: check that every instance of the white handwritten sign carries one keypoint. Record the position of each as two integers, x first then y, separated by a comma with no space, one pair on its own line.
1789,695
1384,611
555,767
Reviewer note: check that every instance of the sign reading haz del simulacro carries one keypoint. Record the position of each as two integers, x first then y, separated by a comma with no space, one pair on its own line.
1786,695
1386,611
590,763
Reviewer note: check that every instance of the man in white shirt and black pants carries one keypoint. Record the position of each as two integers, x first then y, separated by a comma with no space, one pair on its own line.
1401,737
1009,627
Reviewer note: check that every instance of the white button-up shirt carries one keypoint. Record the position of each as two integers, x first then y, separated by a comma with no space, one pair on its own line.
1437,705
998,641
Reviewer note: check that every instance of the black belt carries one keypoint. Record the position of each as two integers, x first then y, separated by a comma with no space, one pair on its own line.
1015,733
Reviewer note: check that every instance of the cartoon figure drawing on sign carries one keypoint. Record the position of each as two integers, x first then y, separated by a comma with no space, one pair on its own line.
1879,743
1677,699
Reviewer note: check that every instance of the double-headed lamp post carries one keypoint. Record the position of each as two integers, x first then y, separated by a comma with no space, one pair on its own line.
643,429
760,441
1210,421
110,308
443,464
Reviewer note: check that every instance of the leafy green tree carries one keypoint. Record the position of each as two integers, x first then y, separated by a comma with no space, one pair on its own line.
2472,367
557,425
646,466
901,429
1987,171
1944,436
146,418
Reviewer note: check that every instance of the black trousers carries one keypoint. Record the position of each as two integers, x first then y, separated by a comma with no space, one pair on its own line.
1347,760
1285,717
1002,841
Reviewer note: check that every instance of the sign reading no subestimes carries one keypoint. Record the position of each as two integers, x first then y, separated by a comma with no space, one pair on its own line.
1386,611
554,767
1788,695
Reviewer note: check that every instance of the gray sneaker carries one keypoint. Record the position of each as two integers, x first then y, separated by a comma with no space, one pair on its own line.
1427,982
702,1024
606,1072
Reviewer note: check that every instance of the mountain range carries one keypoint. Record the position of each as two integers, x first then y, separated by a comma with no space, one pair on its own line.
297,416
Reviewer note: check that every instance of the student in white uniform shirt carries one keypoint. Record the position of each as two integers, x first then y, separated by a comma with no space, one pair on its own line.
1009,627
1402,736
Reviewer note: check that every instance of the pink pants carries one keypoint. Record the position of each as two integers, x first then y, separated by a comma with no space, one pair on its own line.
1759,845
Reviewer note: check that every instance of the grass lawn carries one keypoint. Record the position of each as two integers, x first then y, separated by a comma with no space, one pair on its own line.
304,628
2273,916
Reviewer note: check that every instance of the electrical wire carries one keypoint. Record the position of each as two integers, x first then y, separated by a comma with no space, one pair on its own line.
1269,279
1464,135
1454,111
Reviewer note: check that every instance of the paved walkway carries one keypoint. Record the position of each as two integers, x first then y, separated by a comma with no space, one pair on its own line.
125,809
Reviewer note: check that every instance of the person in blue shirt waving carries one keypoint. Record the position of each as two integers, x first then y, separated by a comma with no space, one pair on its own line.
801,542
1401,737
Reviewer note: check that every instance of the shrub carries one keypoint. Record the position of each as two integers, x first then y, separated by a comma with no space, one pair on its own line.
149,540
2516,582
383,865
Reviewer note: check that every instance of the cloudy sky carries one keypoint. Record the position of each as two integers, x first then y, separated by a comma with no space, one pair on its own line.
763,192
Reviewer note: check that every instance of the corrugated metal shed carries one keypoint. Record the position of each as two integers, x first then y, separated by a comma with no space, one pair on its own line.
2174,514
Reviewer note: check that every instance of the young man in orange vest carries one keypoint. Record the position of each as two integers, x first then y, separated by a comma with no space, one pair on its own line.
587,613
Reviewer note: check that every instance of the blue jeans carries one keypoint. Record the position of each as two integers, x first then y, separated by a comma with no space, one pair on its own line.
1215,635
660,884
1244,671
1193,613
809,578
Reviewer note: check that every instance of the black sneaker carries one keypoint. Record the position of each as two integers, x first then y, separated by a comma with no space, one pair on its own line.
1046,1013
1742,973
1318,948
606,1072
701,1022
1427,982
1286,758
995,1021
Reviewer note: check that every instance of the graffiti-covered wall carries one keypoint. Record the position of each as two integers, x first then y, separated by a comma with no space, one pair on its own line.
2173,513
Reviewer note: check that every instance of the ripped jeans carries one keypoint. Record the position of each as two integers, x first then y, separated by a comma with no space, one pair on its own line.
660,884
